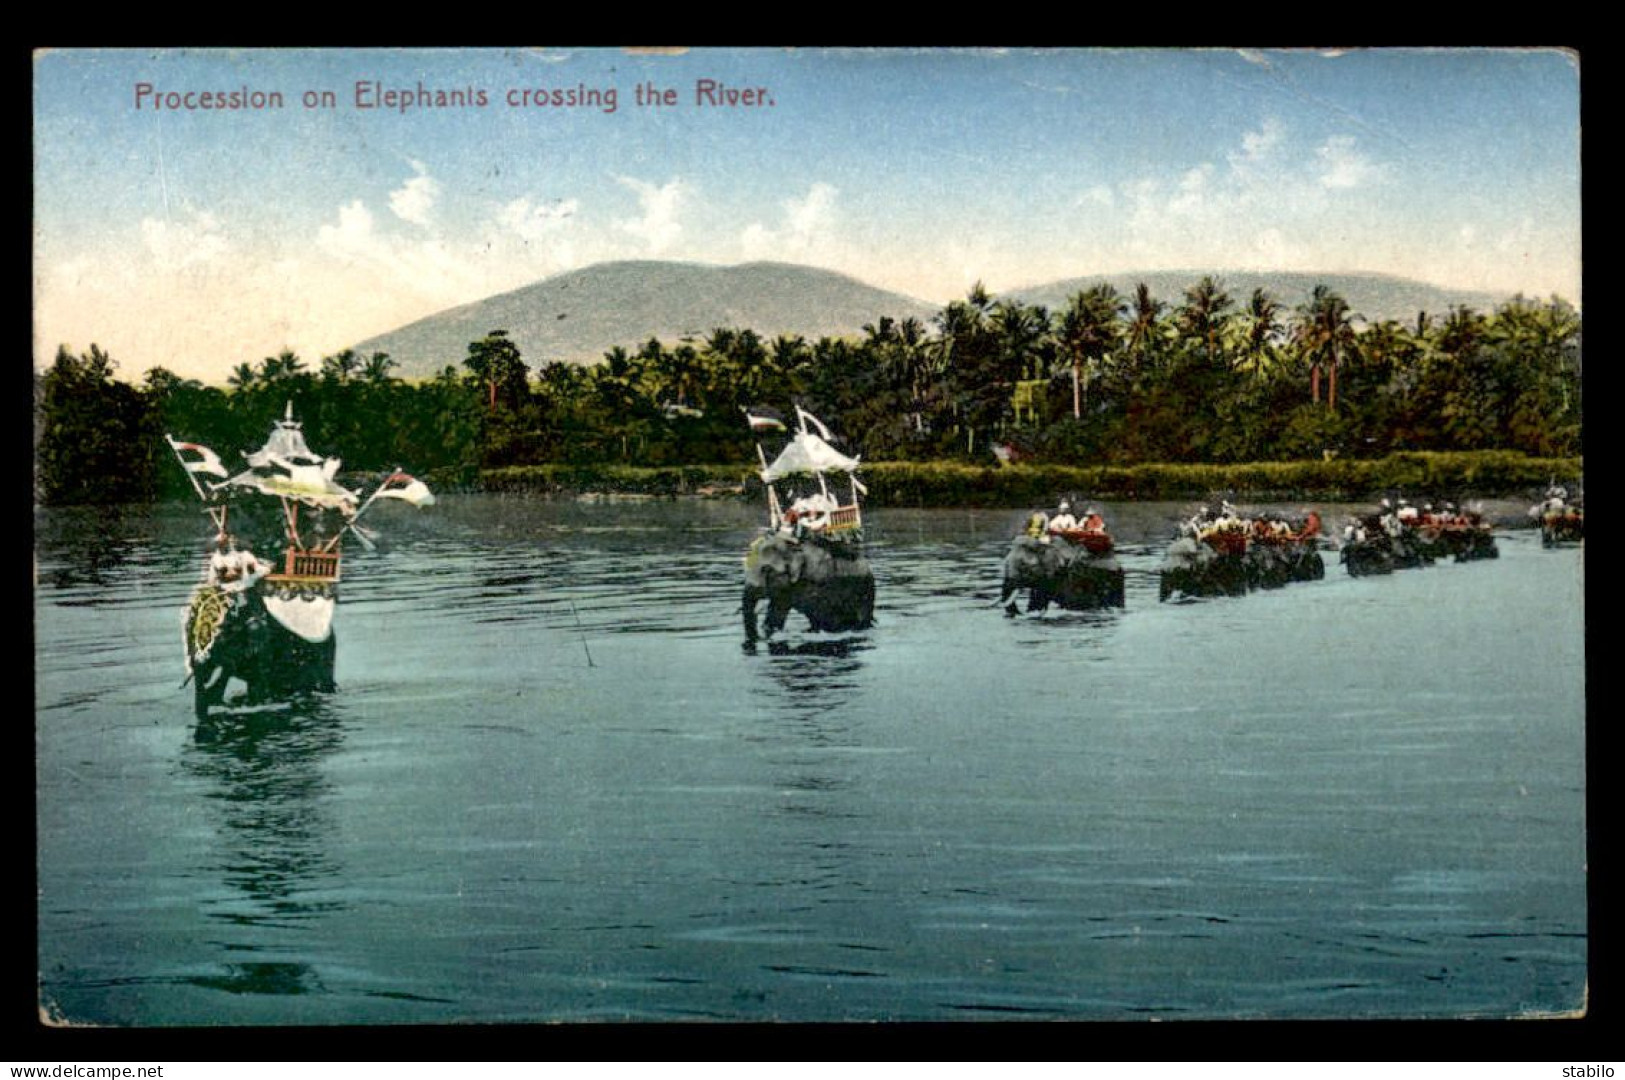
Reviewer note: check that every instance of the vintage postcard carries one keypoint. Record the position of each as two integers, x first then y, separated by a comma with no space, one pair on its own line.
552,535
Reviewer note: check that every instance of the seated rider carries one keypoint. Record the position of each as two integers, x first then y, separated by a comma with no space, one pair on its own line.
1093,522
232,569
811,512
1063,520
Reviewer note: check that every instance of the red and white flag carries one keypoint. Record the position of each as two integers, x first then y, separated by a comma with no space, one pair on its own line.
206,460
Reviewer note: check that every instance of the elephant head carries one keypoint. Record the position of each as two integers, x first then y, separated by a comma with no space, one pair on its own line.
1031,561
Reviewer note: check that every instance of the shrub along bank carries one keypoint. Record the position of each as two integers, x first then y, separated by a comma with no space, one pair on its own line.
899,483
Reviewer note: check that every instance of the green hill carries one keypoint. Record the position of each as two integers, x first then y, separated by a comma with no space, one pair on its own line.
579,315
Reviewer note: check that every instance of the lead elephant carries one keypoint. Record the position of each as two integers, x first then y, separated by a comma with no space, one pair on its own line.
1061,573
828,581
234,636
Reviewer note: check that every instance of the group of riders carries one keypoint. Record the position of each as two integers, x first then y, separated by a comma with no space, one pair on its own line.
1224,526
1064,524
1398,518
1557,506
1561,518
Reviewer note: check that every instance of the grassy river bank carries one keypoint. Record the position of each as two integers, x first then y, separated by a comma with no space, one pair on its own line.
1487,473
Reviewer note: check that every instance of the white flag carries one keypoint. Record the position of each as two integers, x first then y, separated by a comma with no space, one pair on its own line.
407,489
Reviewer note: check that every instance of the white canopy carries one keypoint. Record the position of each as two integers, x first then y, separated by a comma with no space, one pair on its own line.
287,468
808,454
305,483
285,446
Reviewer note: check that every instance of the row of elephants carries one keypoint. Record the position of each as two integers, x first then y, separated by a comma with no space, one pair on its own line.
1218,552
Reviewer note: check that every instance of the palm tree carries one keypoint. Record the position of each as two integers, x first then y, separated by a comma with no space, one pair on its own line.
1203,316
1324,332
1143,330
242,377
787,362
341,366
1089,330
376,369
1261,326
915,364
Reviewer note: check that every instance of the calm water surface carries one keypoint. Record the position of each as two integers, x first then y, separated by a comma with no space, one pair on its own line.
553,785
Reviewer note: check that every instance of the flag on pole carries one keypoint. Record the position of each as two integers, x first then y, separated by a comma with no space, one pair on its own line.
407,489
207,461
817,423
762,418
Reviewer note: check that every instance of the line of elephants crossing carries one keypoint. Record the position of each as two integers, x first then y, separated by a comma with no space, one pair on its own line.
1072,564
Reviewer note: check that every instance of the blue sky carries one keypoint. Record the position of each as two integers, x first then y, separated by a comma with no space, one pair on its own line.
197,238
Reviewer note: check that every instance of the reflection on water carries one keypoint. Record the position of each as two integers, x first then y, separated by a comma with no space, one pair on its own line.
551,786
266,793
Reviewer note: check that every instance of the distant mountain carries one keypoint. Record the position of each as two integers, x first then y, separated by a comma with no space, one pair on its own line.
579,315
1377,297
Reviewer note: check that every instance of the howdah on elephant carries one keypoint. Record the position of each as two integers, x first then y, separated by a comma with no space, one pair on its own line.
830,583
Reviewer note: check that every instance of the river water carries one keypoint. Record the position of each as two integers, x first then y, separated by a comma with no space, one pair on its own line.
554,785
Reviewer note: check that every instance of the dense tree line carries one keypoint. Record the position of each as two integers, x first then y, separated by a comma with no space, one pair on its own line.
1111,379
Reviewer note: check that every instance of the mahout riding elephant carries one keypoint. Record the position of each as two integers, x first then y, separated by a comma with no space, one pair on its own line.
828,581
1059,572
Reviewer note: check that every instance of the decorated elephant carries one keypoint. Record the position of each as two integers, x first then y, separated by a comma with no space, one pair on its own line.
1059,572
828,581
235,636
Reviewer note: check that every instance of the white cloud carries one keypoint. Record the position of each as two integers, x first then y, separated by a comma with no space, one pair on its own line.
352,236
1267,202
808,217
658,228
1191,197
807,233
1258,148
535,223
413,200
179,245
1342,166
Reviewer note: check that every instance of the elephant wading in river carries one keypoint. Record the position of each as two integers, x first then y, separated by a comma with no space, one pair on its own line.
830,583
235,637
1060,573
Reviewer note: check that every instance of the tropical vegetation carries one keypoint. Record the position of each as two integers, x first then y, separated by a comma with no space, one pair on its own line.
1110,382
